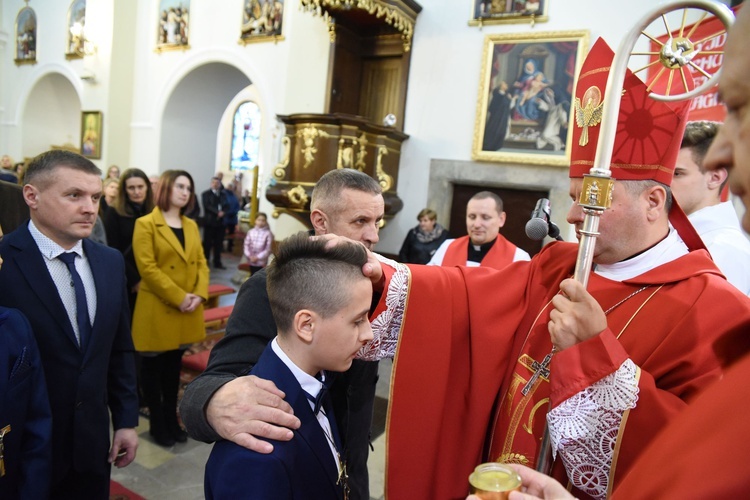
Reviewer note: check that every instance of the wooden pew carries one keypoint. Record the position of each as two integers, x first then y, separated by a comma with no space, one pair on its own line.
214,292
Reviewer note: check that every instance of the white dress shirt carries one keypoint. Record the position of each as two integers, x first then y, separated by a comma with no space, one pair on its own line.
61,276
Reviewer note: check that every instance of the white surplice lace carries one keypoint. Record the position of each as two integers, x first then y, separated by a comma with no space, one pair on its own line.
386,327
584,428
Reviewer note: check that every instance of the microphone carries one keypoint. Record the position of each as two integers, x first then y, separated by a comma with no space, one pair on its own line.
540,224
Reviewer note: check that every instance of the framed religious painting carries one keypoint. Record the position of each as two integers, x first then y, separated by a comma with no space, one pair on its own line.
524,110
173,28
262,21
76,27
91,134
508,11
26,36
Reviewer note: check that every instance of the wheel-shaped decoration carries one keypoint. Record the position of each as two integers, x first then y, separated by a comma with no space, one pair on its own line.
672,63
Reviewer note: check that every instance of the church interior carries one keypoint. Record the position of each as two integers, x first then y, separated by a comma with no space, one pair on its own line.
274,93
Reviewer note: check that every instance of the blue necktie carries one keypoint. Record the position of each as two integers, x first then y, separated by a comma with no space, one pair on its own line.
82,308
318,400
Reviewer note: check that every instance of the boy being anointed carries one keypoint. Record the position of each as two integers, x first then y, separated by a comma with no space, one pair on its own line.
320,301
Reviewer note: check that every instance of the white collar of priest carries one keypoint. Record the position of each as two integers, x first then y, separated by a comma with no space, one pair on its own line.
477,252
669,249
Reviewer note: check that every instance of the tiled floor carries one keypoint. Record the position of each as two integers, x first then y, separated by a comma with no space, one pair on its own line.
177,472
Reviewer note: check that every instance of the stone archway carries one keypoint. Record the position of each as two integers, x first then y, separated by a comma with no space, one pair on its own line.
51,116
192,116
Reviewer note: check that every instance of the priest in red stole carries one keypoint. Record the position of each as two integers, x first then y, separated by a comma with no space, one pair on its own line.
484,245
486,359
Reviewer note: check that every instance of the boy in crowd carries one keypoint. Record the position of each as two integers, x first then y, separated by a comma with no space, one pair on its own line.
320,302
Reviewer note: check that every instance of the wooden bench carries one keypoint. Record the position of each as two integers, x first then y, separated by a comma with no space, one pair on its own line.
215,320
214,292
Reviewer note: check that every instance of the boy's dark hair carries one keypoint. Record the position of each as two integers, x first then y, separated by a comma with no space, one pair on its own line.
39,172
307,275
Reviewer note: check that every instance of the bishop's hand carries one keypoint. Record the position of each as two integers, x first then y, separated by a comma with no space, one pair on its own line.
576,316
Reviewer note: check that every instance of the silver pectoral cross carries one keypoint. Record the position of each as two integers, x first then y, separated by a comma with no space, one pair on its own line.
540,370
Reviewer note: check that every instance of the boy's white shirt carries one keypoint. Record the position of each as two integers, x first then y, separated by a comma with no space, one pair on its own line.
312,386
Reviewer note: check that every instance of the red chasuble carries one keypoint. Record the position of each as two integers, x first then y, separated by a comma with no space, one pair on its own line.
703,453
500,255
694,457
469,338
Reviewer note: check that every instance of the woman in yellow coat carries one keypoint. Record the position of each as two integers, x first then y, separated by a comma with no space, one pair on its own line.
169,308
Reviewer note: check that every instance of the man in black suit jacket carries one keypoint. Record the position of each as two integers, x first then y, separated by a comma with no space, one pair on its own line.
214,206
88,363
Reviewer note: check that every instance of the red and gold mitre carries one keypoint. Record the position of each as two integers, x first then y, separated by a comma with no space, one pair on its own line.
648,137
649,132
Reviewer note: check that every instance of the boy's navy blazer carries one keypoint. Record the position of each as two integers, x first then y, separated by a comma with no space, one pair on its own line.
302,468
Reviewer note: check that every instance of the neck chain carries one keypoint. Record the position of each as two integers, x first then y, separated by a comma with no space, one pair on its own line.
542,369
343,478
625,299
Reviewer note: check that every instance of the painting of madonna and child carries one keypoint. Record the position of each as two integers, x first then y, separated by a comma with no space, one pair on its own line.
524,107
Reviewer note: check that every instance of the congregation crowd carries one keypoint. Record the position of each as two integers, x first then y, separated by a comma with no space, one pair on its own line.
637,381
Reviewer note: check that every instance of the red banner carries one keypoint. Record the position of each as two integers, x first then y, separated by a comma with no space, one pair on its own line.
711,37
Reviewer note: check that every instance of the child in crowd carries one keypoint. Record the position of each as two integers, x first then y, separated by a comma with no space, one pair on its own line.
258,243
320,302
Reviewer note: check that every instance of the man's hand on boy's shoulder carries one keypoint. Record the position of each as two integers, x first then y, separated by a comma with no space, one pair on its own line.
249,409
372,269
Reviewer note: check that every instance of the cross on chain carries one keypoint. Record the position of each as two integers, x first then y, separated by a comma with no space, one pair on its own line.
541,370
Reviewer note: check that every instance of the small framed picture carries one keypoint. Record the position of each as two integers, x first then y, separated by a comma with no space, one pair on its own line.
173,30
26,36
262,21
91,134
524,112
76,28
508,12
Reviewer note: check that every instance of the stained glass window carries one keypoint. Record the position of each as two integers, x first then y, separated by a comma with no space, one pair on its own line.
245,137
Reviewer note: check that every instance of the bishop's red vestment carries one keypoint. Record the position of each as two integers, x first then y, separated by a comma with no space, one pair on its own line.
469,341
703,453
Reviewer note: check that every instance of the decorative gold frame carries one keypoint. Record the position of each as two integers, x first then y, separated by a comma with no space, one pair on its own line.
70,51
17,34
249,19
162,36
528,136
91,134
531,12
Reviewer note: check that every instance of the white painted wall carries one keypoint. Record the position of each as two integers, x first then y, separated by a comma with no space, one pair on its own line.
21,139
134,84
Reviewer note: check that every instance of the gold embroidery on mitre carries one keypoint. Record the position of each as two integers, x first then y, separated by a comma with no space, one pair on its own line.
590,115
513,458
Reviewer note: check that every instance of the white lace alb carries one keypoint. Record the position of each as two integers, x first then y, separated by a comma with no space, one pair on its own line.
584,428
386,327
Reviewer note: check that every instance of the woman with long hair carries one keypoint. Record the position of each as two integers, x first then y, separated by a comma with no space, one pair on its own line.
133,199
169,309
